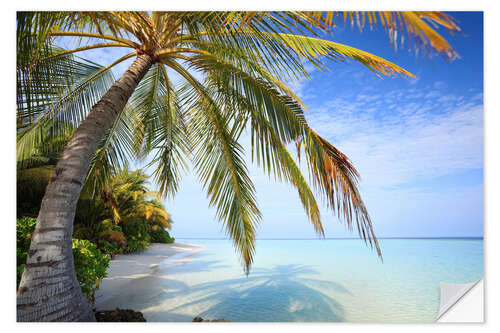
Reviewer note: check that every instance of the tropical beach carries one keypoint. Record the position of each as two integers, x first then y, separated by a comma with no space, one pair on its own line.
292,281
139,272
242,166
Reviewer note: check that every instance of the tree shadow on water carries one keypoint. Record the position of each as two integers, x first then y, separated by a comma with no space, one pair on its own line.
279,294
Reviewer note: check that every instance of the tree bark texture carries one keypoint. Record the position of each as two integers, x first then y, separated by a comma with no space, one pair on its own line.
49,290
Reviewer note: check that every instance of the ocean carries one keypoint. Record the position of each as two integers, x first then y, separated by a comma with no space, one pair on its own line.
332,280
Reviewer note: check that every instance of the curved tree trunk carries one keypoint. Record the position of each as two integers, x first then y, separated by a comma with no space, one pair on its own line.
49,290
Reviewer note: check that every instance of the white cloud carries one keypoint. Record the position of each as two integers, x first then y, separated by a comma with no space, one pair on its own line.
439,85
404,142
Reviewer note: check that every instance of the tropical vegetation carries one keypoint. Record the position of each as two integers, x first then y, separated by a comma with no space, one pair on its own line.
121,218
243,59
124,215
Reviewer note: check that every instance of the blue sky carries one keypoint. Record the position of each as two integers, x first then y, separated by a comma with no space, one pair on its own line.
418,144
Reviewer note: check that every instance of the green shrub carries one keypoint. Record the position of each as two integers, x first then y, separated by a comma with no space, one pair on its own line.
137,235
136,245
112,241
109,248
31,184
25,226
90,266
160,235
108,225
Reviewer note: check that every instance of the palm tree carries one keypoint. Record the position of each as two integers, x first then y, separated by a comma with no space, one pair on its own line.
125,199
244,58
128,197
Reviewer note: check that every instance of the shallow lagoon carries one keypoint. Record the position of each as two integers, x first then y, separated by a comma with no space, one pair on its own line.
304,280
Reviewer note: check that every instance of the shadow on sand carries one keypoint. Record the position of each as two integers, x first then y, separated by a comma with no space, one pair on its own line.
285,293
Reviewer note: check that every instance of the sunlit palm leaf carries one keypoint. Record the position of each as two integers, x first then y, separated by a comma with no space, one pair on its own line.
336,178
62,99
313,48
221,167
418,26
218,160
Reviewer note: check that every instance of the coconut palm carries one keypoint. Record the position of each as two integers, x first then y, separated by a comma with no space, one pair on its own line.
128,197
244,58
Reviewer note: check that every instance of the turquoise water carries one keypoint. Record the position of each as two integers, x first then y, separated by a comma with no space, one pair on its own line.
316,280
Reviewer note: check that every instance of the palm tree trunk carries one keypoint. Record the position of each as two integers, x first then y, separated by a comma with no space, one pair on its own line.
49,290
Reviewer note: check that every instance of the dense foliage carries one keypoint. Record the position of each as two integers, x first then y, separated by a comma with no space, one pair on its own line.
90,266
24,229
160,235
124,216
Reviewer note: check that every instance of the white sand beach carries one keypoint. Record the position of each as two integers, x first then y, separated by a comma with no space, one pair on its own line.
134,280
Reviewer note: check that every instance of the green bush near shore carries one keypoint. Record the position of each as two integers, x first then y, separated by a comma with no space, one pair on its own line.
90,266
136,232
160,235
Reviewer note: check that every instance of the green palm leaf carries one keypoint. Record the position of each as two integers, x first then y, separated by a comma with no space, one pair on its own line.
160,129
218,160
67,88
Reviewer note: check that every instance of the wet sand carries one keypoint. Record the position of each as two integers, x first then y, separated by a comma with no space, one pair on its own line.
131,276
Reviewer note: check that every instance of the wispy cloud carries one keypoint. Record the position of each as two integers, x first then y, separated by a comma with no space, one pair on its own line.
404,140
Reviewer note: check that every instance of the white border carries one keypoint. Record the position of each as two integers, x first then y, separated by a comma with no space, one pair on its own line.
492,165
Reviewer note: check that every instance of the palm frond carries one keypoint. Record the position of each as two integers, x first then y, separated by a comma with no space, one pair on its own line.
160,128
420,27
313,48
218,160
54,96
280,162
336,179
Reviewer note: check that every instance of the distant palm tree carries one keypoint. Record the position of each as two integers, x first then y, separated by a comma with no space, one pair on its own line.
128,197
124,198
244,58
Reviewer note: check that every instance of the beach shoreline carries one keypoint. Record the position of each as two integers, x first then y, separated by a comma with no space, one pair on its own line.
126,270
290,281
